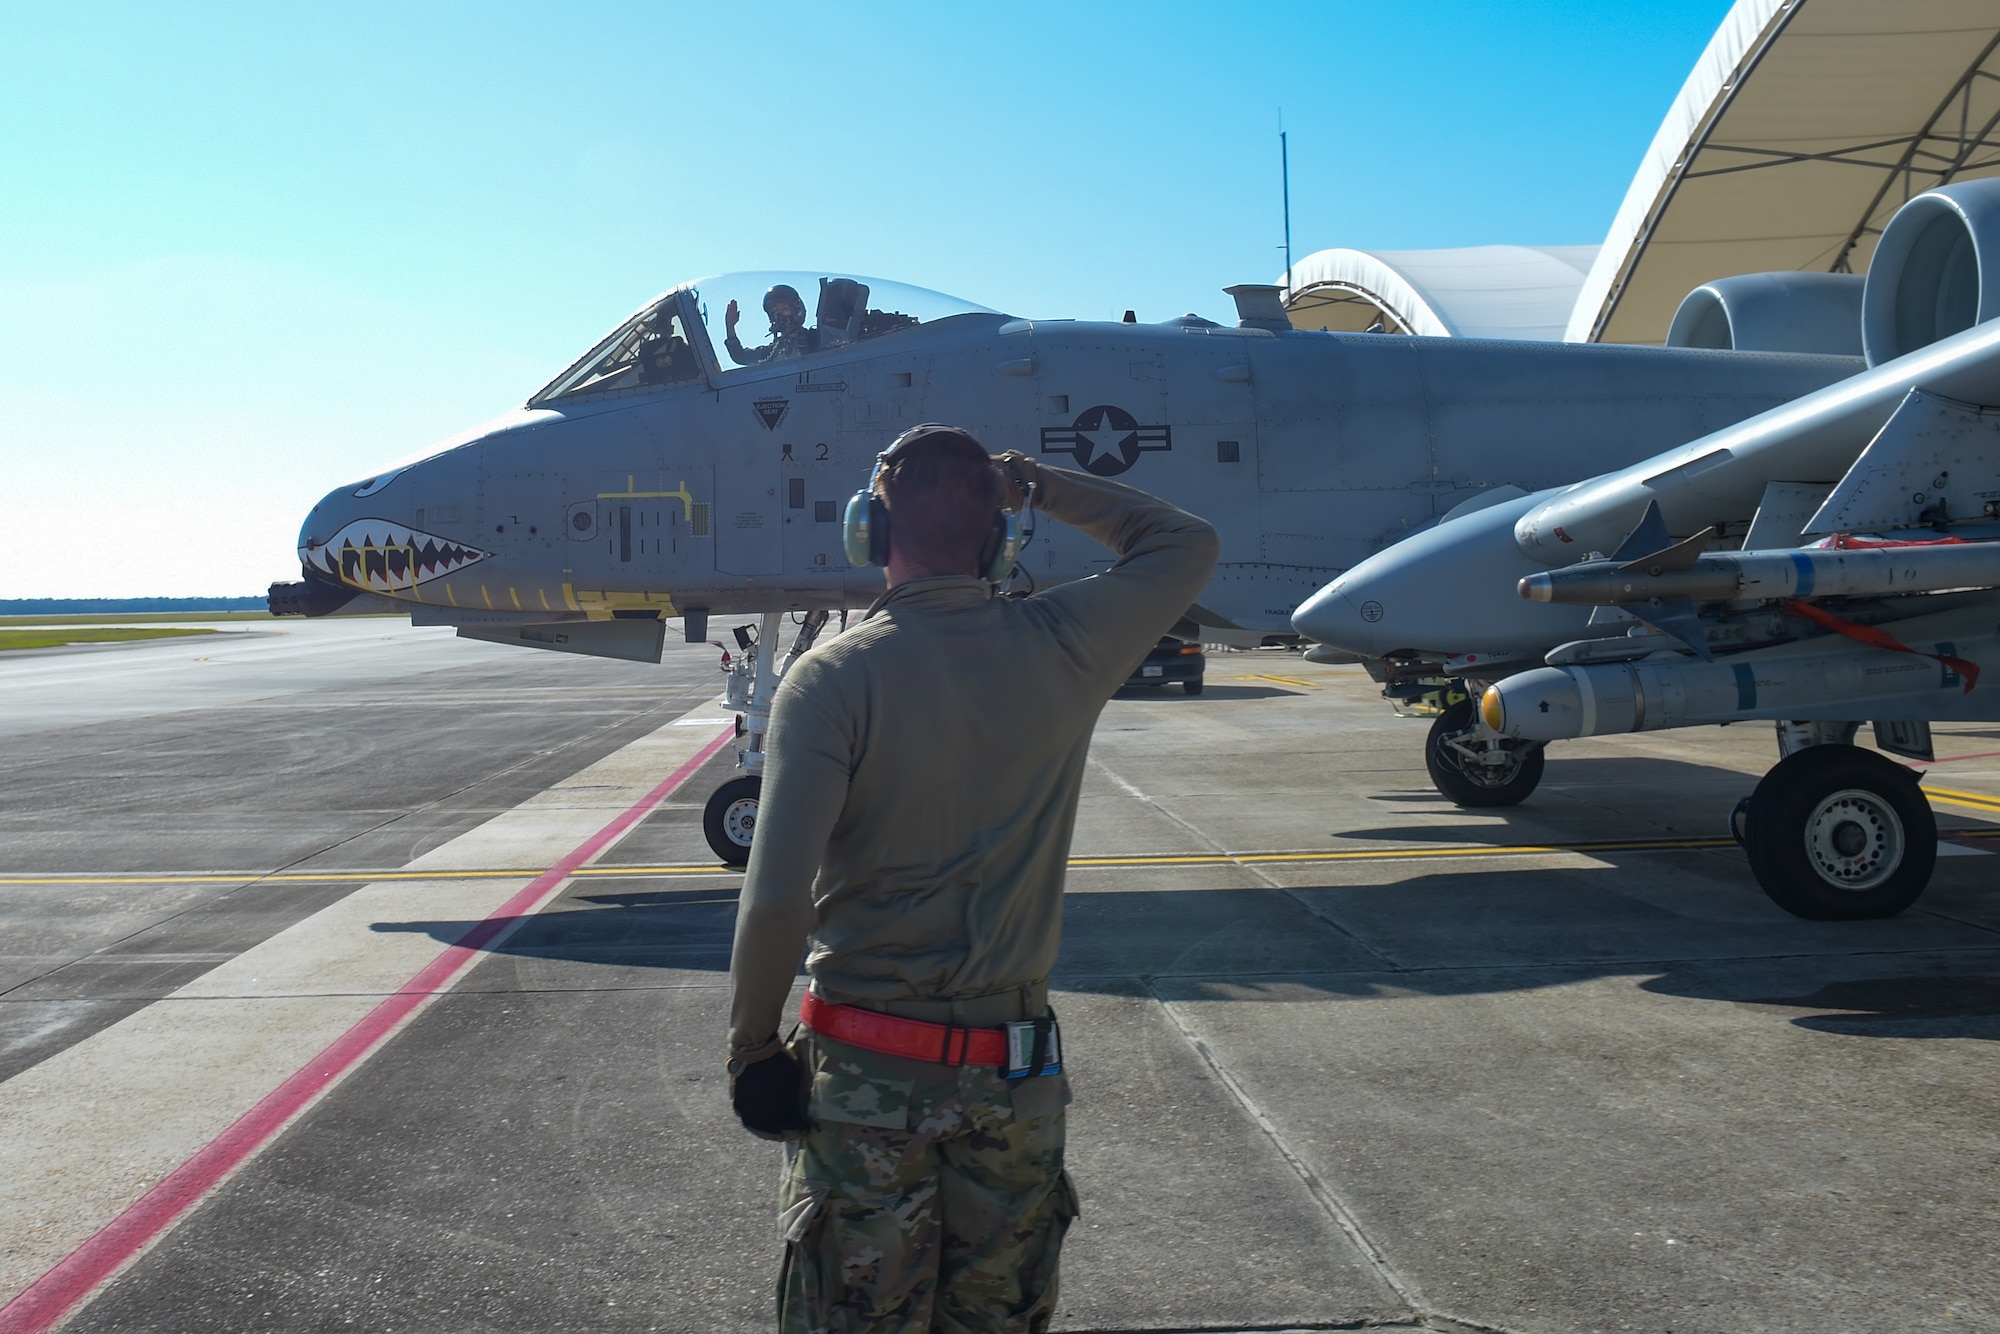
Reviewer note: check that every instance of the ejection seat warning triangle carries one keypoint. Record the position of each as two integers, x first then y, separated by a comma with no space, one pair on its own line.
771,411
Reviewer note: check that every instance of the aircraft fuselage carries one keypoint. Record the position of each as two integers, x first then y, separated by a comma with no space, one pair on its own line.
1308,451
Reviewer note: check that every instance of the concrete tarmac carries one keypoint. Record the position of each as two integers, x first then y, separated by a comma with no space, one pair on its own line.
1344,1055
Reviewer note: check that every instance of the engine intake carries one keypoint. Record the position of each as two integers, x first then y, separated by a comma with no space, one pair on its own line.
1936,270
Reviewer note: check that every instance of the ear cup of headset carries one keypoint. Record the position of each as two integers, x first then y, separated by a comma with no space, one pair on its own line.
878,531
1003,548
857,535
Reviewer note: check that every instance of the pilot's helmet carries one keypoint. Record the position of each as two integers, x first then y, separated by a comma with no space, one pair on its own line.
785,306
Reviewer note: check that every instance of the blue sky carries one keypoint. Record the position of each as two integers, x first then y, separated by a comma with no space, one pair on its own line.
250,252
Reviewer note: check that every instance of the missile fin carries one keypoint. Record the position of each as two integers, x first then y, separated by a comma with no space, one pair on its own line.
1675,618
1650,535
1679,556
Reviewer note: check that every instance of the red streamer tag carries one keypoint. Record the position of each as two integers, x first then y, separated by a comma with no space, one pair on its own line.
1968,671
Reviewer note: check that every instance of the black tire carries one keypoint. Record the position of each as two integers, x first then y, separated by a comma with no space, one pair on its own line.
1476,785
1192,687
1837,833
730,819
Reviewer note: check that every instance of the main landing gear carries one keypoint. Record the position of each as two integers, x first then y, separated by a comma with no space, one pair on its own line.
729,821
1835,832
1472,765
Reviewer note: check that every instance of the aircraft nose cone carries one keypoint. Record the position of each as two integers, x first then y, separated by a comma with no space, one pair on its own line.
1447,590
1331,616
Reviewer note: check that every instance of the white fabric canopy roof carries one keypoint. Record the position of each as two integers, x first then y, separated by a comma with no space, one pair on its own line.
1801,129
1491,291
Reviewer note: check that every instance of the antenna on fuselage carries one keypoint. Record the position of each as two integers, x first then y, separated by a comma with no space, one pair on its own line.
1285,174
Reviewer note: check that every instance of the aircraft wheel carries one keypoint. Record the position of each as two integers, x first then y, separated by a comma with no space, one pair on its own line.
1469,771
1192,687
1839,833
731,818
1739,823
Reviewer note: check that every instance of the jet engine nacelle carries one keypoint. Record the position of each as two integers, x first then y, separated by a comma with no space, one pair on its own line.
1936,270
1773,312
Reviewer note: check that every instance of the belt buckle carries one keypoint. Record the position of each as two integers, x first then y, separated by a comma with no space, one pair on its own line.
1034,1047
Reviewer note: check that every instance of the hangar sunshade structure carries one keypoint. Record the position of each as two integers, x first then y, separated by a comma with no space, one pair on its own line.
1804,125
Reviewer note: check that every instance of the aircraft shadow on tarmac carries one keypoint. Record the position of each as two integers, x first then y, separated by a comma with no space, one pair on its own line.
1690,925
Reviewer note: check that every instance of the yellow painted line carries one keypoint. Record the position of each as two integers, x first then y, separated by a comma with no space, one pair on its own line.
1977,801
569,598
1079,863
448,593
517,598
545,599
488,596
1281,680
1397,854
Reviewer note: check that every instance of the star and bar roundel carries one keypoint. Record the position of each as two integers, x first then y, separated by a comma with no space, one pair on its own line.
1106,440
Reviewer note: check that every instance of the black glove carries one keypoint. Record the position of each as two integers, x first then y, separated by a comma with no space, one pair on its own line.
769,1096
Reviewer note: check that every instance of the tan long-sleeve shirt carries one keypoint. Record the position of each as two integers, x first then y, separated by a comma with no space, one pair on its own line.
921,774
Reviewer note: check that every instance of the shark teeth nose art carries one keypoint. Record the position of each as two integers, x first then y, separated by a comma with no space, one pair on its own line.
381,556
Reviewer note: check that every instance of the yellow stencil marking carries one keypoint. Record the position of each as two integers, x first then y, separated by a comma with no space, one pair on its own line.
517,598
488,596
544,593
569,598
449,594
687,501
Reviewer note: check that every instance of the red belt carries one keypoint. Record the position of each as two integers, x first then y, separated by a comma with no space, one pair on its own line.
914,1039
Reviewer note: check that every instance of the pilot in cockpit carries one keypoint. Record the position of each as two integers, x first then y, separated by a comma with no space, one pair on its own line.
789,335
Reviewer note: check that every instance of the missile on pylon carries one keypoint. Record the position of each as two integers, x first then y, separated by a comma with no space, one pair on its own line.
1806,574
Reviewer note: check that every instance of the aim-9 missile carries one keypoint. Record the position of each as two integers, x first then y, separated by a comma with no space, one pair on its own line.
1685,572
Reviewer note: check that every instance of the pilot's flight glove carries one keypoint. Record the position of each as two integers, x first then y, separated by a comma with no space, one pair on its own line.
767,1096
1018,473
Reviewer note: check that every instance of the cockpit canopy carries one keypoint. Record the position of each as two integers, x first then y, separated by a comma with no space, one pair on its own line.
718,325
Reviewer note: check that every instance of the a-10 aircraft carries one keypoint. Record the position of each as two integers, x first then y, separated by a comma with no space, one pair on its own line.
673,472
1830,562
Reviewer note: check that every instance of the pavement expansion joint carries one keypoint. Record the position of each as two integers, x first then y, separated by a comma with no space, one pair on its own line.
1133,790
1321,1193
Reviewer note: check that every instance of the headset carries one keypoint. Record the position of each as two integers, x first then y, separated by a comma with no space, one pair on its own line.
864,530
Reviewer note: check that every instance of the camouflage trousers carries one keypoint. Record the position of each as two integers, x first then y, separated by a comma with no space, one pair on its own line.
926,1198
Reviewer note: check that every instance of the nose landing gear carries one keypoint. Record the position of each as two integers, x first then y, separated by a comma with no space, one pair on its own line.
729,821
1471,765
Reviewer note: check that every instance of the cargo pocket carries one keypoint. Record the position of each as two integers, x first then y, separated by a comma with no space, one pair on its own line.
1068,1209
804,1293
1037,1264
860,1101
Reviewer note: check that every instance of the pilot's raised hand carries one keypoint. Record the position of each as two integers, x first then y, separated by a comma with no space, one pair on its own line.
730,316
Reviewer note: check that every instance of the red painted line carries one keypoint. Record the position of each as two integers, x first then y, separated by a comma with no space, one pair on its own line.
55,1294
1951,759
